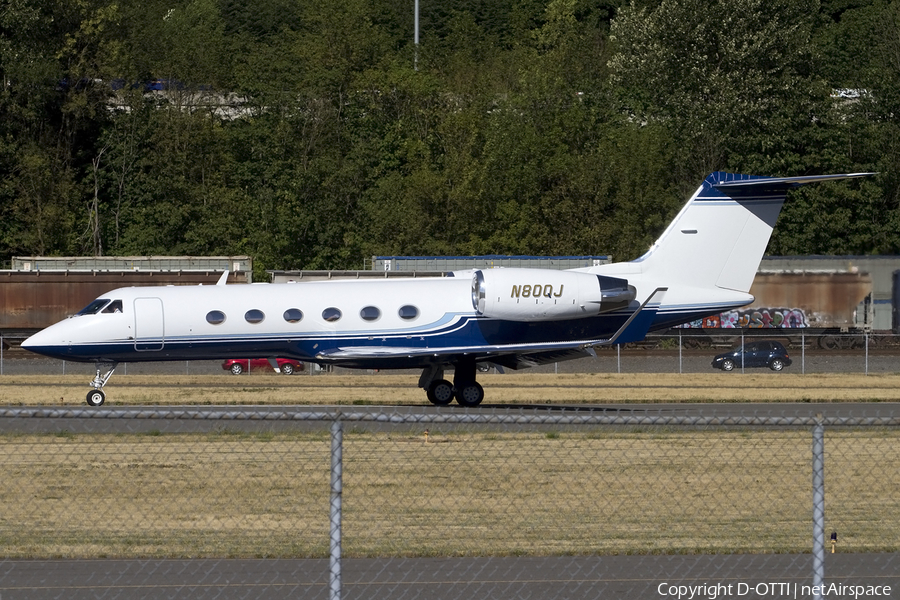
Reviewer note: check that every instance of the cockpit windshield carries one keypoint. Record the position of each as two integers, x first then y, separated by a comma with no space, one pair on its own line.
99,305
93,308
114,307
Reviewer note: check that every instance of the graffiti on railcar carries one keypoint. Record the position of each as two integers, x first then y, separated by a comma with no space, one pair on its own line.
754,318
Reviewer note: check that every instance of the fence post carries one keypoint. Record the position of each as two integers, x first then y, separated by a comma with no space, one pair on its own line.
818,464
802,353
866,338
337,451
680,365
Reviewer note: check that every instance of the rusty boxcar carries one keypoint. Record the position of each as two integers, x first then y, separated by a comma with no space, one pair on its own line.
816,304
32,300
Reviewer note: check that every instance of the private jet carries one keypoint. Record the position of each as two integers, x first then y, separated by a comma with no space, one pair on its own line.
702,264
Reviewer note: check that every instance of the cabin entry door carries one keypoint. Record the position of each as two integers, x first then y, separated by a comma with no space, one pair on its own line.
149,325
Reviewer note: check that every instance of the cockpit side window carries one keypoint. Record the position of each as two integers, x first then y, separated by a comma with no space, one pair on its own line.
94,307
114,307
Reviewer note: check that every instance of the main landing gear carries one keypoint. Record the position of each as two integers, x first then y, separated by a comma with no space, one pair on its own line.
464,388
96,397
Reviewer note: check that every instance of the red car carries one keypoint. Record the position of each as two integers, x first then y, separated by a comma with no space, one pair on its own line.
239,365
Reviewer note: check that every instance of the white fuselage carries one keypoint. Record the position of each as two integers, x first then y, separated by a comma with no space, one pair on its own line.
384,323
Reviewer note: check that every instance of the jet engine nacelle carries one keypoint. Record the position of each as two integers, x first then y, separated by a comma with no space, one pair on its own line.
546,295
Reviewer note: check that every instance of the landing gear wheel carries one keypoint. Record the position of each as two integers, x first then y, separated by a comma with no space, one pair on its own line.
236,369
470,394
440,392
96,398
287,369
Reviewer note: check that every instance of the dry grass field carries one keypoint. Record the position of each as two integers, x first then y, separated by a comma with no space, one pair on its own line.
459,494
511,388
503,492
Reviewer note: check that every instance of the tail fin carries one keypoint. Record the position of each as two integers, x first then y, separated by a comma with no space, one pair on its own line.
719,237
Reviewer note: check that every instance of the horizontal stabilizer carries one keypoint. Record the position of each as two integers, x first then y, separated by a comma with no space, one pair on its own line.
755,181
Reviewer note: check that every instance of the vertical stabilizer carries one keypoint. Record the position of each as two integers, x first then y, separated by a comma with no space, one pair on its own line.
719,237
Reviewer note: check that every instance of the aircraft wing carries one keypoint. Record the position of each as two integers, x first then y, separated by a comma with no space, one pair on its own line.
634,329
518,358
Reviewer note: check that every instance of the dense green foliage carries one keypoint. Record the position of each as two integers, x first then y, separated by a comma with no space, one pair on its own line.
301,134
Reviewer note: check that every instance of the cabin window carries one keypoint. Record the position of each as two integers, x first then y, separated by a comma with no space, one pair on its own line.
114,307
215,317
408,312
293,315
370,313
254,316
331,314
94,307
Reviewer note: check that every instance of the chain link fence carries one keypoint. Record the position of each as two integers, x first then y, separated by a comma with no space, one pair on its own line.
385,503
679,351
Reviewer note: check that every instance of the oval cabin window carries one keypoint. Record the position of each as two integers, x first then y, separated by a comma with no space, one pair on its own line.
215,317
370,313
408,312
331,314
293,315
254,316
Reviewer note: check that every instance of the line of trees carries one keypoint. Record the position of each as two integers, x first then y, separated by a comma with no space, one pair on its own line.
299,132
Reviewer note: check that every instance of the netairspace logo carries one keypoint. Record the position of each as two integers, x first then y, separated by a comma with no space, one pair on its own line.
712,591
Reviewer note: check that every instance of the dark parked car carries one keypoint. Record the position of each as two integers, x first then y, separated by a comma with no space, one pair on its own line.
765,353
238,365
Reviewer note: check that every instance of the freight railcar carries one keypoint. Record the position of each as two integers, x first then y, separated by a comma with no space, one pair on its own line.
33,300
813,307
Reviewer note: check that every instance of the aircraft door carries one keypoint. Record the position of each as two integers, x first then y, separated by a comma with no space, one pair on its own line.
149,325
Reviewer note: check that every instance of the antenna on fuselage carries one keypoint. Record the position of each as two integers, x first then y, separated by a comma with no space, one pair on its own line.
223,278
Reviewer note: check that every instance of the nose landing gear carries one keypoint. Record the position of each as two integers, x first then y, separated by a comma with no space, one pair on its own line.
96,397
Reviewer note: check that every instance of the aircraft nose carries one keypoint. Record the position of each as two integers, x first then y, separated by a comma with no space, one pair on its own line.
29,342
41,339
33,341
